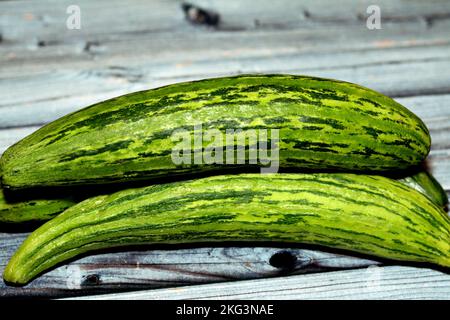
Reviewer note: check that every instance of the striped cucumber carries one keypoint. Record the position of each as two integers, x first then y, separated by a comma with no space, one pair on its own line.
40,209
425,183
323,124
45,209
367,214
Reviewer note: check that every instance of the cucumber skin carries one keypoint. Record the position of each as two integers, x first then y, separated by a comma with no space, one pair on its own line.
324,124
372,215
45,209
35,210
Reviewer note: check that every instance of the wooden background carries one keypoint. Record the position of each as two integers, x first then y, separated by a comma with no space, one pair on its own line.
47,70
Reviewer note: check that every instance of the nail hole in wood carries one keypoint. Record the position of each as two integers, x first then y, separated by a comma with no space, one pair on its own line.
196,15
90,46
92,280
283,260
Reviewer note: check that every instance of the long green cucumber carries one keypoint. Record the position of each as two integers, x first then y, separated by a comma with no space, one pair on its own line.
425,183
323,124
39,209
373,215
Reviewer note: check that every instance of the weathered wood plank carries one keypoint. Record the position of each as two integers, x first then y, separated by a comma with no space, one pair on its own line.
10,136
89,45
33,21
439,164
21,110
209,43
182,48
291,14
22,20
82,79
24,97
144,269
391,282
44,16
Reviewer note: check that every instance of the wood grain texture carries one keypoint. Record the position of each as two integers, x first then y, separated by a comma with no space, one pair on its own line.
47,71
392,282
24,99
90,65
144,269
23,19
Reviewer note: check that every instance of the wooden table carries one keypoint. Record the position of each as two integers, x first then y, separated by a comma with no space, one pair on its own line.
48,70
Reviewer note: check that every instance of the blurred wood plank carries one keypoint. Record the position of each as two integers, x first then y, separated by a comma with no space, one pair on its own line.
144,269
21,20
391,283
10,136
180,47
393,72
75,77
53,44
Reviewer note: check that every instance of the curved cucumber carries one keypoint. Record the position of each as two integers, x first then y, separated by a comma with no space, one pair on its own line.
46,209
368,214
323,124
425,183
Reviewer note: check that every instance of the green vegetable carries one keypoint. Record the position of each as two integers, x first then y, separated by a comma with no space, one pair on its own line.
323,124
367,214
39,209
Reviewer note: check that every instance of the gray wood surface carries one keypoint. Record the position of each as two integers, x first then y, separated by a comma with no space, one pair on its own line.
47,71
375,282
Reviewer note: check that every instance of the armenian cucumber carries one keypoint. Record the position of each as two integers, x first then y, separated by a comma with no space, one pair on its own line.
372,215
39,209
323,124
